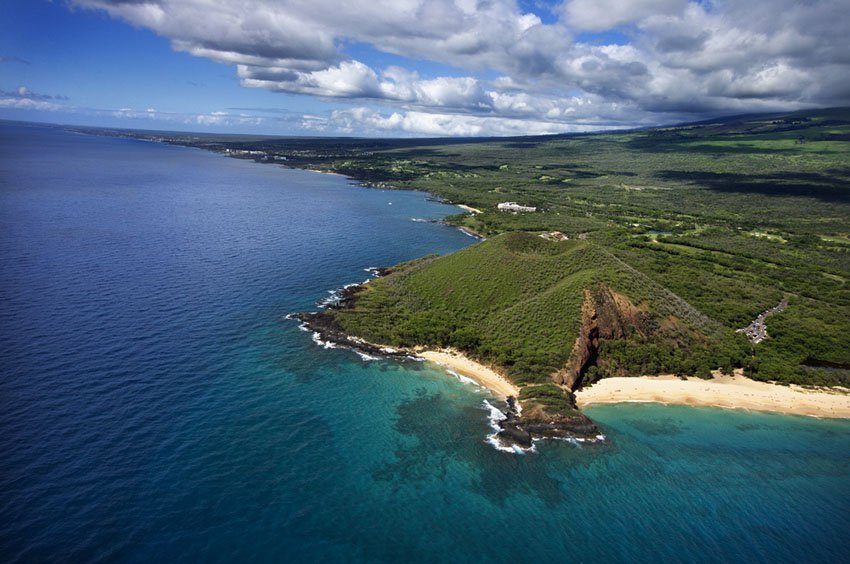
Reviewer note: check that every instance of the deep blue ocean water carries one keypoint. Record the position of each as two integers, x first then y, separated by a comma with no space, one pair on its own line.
155,405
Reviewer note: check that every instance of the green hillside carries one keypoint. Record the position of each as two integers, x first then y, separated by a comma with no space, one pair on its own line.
517,301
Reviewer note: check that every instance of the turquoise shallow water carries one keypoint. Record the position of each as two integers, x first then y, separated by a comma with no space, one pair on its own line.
156,405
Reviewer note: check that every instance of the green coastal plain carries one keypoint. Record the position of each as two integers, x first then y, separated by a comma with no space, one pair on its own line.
647,253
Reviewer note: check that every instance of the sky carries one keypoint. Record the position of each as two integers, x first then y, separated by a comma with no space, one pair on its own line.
402,68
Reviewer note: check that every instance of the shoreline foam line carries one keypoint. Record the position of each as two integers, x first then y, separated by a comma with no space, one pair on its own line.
486,377
727,392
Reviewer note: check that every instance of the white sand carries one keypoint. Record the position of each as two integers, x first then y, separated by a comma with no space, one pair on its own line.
326,172
483,375
722,391
468,208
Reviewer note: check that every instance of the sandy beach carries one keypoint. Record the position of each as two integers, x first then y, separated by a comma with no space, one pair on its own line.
468,208
325,172
731,392
483,375
735,392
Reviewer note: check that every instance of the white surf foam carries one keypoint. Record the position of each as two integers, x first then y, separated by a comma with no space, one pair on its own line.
365,356
317,338
464,379
302,326
492,439
495,416
336,295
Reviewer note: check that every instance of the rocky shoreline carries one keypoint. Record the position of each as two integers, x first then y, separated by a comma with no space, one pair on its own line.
521,426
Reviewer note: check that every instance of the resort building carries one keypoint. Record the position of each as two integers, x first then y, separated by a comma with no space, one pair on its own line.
515,207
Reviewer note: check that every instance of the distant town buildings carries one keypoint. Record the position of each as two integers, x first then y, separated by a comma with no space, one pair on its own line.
256,155
515,207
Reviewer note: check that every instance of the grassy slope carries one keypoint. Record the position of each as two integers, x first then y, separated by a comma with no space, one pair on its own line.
513,299
516,300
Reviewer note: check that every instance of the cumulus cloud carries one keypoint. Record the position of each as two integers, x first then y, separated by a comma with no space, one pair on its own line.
349,79
27,104
22,92
217,118
683,59
24,98
600,15
431,124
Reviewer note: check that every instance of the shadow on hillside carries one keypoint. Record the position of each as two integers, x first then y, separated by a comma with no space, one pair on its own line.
522,144
801,184
672,143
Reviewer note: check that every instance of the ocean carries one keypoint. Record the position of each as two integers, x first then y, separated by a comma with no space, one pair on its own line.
157,405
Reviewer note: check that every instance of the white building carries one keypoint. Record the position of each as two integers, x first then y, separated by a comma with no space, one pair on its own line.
515,207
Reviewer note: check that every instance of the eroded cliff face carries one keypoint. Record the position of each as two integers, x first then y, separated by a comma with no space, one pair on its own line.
605,314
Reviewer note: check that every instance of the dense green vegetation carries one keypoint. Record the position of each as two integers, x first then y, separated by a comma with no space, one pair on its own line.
550,396
714,222
516,300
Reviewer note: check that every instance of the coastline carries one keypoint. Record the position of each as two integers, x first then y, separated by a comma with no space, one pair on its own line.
484,376
728,392
467,231
363,184
325,332
722,391
322,172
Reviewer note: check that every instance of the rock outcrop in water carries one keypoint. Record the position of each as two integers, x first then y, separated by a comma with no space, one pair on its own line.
537,423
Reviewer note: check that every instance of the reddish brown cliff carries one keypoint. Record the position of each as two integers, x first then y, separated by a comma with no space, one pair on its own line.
605,314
